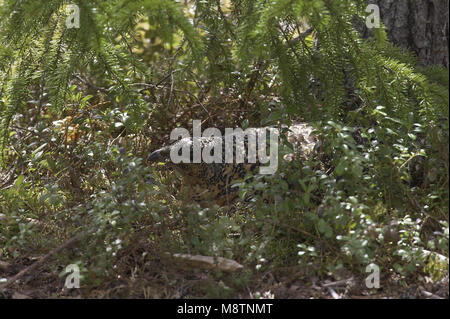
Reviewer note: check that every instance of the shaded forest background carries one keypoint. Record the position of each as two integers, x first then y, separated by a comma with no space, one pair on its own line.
82,108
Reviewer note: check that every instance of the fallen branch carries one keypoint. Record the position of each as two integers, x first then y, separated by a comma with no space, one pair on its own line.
343,282
41,260
206,262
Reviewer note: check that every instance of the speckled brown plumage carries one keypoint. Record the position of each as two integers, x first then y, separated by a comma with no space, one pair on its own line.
215,180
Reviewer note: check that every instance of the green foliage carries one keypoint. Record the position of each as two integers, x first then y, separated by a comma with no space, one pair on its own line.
81,108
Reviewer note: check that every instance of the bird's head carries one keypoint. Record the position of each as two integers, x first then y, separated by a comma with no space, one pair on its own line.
163,154
160,155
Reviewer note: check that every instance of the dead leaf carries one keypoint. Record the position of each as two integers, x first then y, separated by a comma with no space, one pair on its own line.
4,266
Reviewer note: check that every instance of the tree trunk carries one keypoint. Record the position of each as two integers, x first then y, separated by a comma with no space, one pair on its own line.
418,25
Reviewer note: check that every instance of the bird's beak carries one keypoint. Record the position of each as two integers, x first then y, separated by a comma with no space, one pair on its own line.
155,156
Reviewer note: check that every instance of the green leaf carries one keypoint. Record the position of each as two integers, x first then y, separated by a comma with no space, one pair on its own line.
19,181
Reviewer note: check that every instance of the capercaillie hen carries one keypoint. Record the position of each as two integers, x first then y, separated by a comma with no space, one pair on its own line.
214,180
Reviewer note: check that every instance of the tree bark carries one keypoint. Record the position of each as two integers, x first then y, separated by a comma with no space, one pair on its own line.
418,25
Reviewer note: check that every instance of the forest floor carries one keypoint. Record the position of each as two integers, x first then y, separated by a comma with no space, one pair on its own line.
157,279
